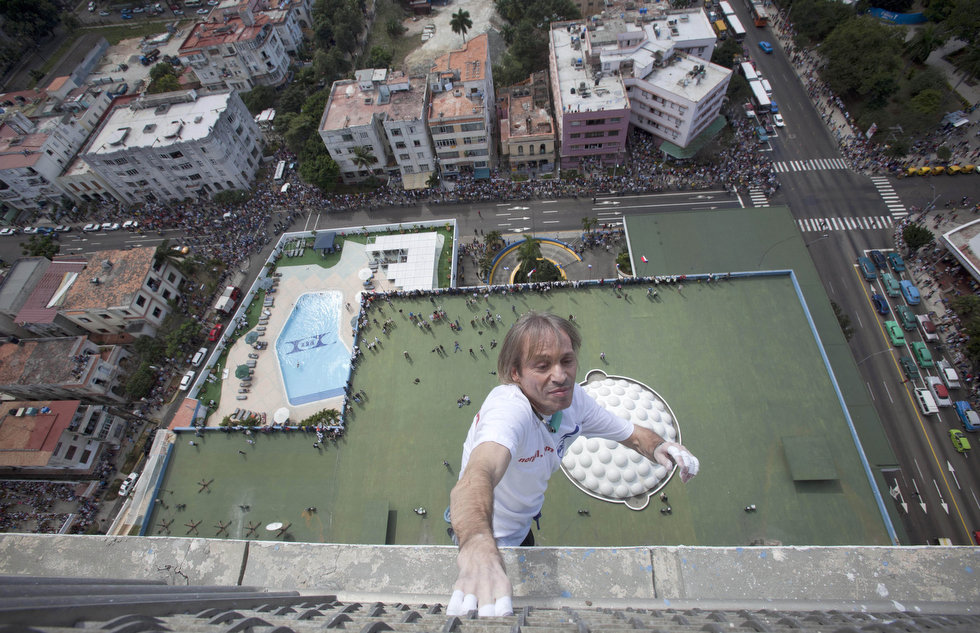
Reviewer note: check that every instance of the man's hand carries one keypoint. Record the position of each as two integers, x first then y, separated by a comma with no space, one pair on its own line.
669,453
482,584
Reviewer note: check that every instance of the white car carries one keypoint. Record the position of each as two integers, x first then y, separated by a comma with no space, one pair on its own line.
62,228
130,225
185,382
91,227
939,391
27,230
7,230
127,484
948,374
110,226
199,356
777,120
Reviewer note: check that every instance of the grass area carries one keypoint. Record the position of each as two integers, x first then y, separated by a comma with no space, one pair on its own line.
401,45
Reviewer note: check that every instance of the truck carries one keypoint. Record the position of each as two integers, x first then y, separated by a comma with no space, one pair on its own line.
228,300
150,57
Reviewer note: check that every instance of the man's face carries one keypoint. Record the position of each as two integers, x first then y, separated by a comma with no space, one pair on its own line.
547,374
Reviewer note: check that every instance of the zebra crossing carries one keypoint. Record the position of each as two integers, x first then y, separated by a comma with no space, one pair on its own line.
822,225
888,194
810,164
758,197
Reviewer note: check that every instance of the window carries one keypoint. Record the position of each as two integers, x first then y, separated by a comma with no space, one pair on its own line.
404,157
595,122
471,127
132,172
576,135
195,177
396,132
171,277
156,313
71,452
185,166
84,320
140,300
85,455
400,145
417,143
166,294
176,154
595,134
348,137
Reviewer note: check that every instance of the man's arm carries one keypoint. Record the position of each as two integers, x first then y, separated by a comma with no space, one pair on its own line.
482,580
655,448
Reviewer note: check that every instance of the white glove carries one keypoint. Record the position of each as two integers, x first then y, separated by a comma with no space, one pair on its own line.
670,453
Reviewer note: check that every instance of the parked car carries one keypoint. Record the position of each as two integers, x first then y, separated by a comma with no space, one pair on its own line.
105,13
8,230
203,11
130,225
63,228
867,269
946,371
879,259
127,484
765,46
906,317
909,367
110,226
892,288
922,354
939,391
910,292
897,263
881,305
968,417
29,230
91,227
895,334
185,382
960,443
927,327
215,332
777,120
199,356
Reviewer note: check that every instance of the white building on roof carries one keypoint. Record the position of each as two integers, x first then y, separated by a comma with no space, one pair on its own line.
176,145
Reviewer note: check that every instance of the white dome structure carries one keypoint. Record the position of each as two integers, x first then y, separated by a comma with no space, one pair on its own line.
607,470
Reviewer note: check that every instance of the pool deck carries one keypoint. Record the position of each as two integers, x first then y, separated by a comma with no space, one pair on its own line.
268,393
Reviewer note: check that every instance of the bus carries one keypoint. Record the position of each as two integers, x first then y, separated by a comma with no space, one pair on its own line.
735,27
749,71
726,8
280,170
759,96
760,16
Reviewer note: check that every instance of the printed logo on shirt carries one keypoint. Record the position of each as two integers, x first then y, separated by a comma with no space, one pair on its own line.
561,442
537,454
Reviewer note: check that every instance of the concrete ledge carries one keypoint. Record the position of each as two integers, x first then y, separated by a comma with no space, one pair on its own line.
930,579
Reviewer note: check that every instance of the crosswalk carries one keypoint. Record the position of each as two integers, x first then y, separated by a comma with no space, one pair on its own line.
810,164
758,197
888,194
823,225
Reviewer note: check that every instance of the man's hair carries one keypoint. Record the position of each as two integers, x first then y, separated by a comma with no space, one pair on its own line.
526,335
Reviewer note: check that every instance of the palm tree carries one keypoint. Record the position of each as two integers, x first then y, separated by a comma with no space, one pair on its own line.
363,158
493,241
528,255
461,23
589,224
927,39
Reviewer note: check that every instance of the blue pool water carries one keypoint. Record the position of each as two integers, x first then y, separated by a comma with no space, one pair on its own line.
314,363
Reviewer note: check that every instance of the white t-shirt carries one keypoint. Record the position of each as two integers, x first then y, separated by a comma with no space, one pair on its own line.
506,418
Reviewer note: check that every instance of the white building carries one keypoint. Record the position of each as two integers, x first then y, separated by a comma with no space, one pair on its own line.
240,51
32,156
176,145
383,112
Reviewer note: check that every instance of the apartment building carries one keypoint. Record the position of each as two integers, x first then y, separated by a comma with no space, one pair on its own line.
240,51
69,368
527,129
461,110
33,154
55,436
176,145
119,292
379,114
25,294
642,70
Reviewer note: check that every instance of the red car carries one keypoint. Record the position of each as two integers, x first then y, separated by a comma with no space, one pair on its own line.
216,332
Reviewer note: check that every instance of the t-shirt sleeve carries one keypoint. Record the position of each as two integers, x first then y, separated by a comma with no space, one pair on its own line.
500,422
598,421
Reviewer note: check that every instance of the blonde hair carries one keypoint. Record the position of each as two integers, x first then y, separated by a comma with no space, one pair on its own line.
529,332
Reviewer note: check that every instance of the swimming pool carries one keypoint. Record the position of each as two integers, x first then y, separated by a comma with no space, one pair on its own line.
313,362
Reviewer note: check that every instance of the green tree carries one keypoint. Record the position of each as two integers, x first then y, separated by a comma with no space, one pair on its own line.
161,70
916,236
363,156
814,20
182,337
843,321
461,23
927,38
725,53
928,102
394,27
148,348
301,129
380,57
260,98
40,246
963,21
140,382
167,83
943,153
494,241
623,262
863,59
528,255
320,171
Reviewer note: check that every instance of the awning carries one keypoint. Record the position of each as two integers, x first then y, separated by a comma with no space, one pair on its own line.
324,241
481,173
699,141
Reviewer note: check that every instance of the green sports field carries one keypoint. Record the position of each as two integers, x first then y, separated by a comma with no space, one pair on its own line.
736,360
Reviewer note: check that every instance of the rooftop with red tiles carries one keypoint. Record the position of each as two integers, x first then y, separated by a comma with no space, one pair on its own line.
29,439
